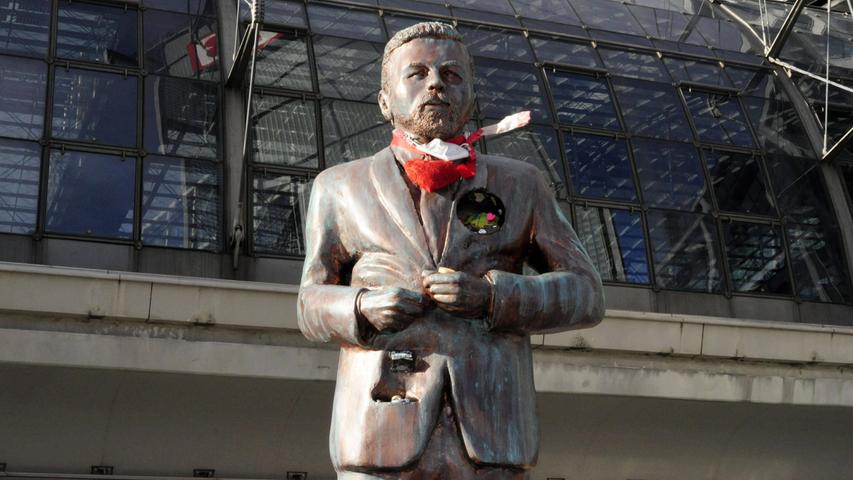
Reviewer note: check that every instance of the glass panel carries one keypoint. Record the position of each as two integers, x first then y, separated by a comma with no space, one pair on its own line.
817,260
684,251
537,146
553,27
496,6
718,118
800,190
345,22
97,33
778,126
663,24
181,117
496,44
696,72
180,45
284,131
671,175
20,164
600,167
94,107
756,258
608,36
630,64
422,8
348,69
726,35
180,203
614,241
556,11
582,100
25,27
276,12
846,172
565,53
504,88
652,110
90,194
608,16
352,130
739,182
759,83
280,204
23,85
395,23
282,61
193,7
486,17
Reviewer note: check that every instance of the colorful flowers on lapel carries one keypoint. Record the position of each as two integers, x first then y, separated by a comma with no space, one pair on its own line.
481,211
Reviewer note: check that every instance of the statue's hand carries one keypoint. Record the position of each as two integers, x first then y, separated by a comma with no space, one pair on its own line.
391,309
459,292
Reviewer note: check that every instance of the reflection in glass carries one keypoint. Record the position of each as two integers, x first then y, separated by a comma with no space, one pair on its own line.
600,167
348,69
192,7
666,24
505,88
395,23
180,45
25,27
97,33
537,146
778,126
614,241
556,11
345,22
684,251
565,53
278,213
352,130
276,12
626,63
718,118
608,16
696,72
496,6
282,61
486,16
756,256
671,175
800,190
722,34
284,131
181,117
90,194
20,164
94,106
22,91
582,100
180,203
652,110
739,182
817,260
484,42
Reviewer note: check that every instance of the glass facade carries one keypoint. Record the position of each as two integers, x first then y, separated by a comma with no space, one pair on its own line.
677,152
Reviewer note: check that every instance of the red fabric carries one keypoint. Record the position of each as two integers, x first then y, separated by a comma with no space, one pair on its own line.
432,174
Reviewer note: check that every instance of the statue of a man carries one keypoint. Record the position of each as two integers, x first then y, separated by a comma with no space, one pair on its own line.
414,265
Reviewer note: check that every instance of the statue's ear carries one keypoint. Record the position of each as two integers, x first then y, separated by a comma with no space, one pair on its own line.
382,99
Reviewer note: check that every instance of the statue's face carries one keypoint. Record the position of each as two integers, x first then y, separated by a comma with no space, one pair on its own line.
429,91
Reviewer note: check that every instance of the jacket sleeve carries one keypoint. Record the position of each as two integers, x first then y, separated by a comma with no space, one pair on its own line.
567,294
326,306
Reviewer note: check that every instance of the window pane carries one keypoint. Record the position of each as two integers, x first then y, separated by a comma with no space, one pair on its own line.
280,204
800,190
652,110
725,35
609,16
565,53
181,117
684,250
659,23
90,194
282,61
499,44
180,45
756,257
556,11
276,12
20,164
496,6
614,240
97,33
817,260
537,146
423,8
25,27
626,63
600,168
395,23
352,130
23,85
696,72
671,175
193,7
582,100
344,22
739,182
504,88
94,107
284,131
778,126
180,203
348,69
486,16
718,118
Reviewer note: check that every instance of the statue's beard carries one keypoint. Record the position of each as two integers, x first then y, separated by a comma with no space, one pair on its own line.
433,123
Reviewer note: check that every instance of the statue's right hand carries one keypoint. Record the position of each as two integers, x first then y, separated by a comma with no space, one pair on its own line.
391,309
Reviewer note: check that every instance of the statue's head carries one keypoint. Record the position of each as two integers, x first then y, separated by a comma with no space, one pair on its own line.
427,81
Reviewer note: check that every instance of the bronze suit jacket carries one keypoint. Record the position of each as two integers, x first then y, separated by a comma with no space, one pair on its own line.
363,231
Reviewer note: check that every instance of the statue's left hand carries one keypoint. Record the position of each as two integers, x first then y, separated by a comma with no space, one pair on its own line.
459,292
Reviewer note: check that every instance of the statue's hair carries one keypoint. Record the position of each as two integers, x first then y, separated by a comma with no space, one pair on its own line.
421,30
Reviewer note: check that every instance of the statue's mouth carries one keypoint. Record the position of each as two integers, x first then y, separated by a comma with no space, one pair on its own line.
433,104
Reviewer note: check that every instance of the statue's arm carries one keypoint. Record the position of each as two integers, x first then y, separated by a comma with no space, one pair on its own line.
326,306
566,295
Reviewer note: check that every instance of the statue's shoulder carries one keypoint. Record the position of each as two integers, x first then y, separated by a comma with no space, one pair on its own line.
505,166
346,174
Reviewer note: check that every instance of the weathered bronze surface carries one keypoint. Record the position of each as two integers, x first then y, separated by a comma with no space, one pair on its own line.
435,376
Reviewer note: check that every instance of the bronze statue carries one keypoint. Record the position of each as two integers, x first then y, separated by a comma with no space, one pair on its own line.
414,265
